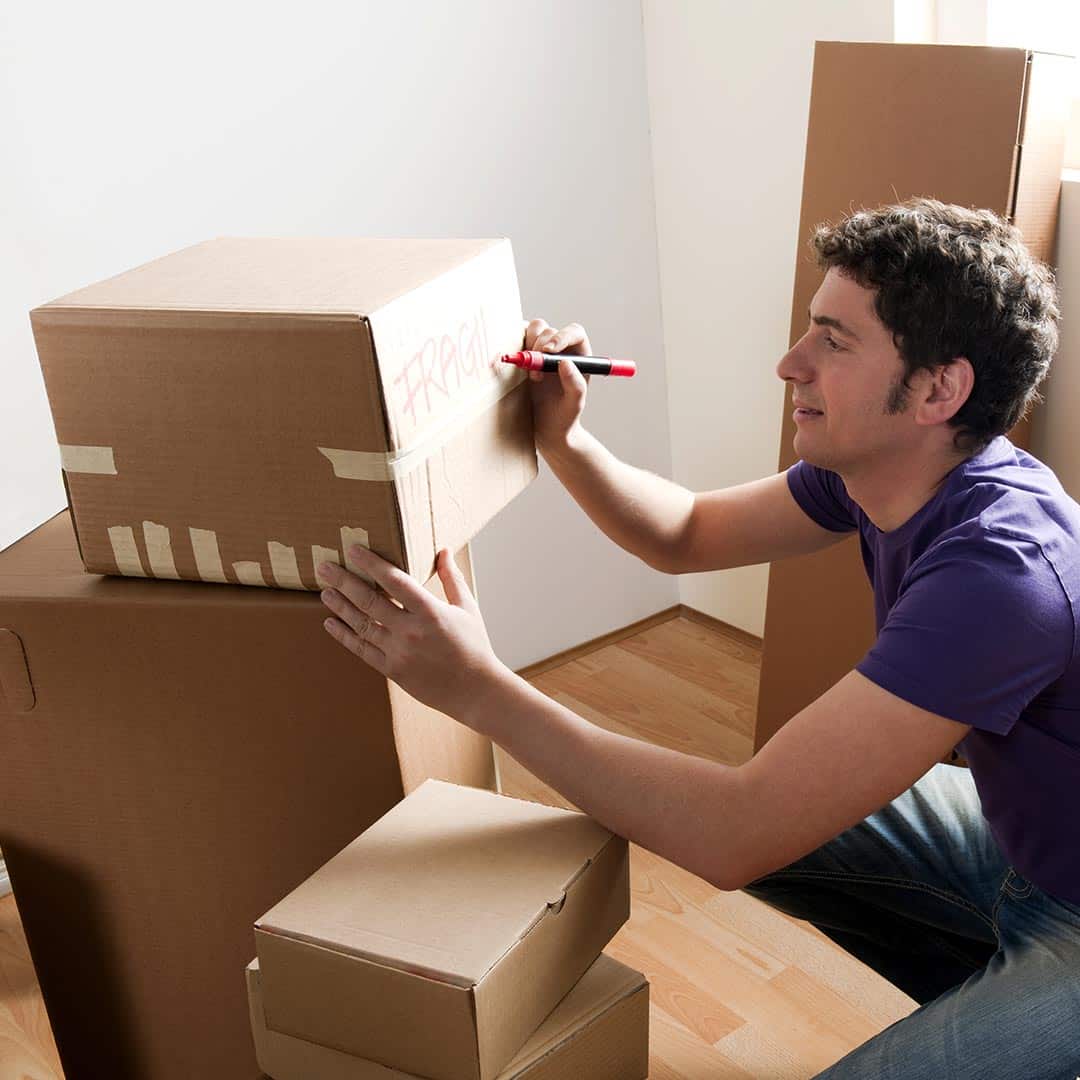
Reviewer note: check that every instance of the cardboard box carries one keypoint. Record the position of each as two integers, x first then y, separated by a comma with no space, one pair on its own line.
174,759
976,126
451,928
600,1030
244,409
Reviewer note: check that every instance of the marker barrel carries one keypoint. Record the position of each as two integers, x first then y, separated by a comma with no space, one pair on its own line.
532,360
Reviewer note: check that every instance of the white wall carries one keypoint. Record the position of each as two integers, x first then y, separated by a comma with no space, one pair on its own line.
127,135
729,96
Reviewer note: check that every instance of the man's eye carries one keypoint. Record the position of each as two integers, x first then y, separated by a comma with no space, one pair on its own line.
833,345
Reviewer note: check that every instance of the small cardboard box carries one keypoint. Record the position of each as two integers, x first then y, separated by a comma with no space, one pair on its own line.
450,928
244,409
600,1030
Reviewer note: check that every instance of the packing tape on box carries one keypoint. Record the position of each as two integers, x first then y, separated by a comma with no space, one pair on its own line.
378,465
347,464
88,459
204,545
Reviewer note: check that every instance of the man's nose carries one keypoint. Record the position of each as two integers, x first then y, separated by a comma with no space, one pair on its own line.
794,363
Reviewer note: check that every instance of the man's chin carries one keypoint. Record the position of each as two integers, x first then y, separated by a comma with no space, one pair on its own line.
811,454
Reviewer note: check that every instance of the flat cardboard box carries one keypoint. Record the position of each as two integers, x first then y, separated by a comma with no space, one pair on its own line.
473,911
600,1030
244,409
174,759
966,124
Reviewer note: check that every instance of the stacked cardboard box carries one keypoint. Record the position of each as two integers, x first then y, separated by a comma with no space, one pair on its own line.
178,754
439,942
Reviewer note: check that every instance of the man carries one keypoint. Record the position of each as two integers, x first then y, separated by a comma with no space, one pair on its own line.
925,344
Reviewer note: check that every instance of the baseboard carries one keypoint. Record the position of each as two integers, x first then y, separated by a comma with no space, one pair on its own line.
675,612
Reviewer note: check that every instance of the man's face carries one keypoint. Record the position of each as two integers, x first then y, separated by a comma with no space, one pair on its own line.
846,376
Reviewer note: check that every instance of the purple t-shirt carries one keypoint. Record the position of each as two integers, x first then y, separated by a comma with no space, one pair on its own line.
976,601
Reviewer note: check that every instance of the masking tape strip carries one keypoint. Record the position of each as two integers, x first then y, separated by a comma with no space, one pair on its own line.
207,555
348,538
88,459
249,573
283,566
321,555
371,465
122,538
159,551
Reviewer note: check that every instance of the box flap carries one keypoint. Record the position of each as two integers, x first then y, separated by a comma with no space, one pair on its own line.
547,962
322,275
452,877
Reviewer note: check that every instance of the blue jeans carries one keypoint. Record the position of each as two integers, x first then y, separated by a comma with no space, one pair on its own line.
920,892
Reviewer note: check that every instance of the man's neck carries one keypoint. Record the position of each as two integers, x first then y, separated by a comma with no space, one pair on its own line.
891,492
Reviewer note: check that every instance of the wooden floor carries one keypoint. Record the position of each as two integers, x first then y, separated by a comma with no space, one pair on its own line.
738,990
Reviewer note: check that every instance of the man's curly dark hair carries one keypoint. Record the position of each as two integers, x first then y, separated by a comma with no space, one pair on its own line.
953,282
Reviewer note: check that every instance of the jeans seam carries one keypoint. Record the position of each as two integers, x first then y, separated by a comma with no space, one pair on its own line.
905,883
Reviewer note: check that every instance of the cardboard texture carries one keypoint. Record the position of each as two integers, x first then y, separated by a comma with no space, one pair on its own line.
175,759
976,126
600,1030
451,927
244,409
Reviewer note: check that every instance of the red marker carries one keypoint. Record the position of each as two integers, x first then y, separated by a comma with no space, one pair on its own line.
587,365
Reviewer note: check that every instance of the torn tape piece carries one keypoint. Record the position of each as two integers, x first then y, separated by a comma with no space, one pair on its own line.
128,563
249,573
372,465
321,555
88,459
283,565
207,555
159,550
349,537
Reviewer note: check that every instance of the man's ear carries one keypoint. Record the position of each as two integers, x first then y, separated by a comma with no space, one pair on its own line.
947,388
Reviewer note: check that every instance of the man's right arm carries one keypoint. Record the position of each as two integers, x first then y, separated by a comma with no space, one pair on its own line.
672,529
665,525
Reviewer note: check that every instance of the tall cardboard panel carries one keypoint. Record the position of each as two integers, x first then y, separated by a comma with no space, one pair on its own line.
177,757
976,126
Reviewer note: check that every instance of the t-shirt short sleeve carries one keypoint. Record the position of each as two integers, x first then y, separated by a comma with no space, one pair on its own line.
822,496
980,627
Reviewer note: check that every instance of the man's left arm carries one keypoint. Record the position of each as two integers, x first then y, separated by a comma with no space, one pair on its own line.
844,756
841,758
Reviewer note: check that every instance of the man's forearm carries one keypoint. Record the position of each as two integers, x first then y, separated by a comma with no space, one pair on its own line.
643,513
684,808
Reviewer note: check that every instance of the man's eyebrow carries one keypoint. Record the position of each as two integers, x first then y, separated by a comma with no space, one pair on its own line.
836,324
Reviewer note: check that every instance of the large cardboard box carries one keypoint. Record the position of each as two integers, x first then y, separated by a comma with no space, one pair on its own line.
977,126
599,1031
244,409
174,758
437,941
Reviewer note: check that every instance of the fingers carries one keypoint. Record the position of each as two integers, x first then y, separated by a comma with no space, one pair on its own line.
396,583
570,339
453,582
544,338
571,378
357,645
362,623
533,330
360,595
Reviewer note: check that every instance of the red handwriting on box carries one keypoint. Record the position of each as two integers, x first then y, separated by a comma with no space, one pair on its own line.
441,367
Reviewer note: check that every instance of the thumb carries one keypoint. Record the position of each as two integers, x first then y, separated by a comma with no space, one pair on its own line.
453,581
570,377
